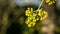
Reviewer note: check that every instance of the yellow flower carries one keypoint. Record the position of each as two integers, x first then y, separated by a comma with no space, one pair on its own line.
50,2
29,25
40,12
47,1
30,21
37,19
29,12
53,1
41,19
31,9
45,14
33,24
34,14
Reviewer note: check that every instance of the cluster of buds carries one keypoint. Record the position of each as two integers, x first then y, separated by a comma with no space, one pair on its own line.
34,16
39,14
50,2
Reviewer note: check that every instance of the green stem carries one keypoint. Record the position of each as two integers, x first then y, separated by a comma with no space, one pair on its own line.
40,4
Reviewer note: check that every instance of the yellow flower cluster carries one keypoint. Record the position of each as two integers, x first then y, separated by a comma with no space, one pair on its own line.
31,17
39,14
30,21
42,13
34,16
28,12
50,2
